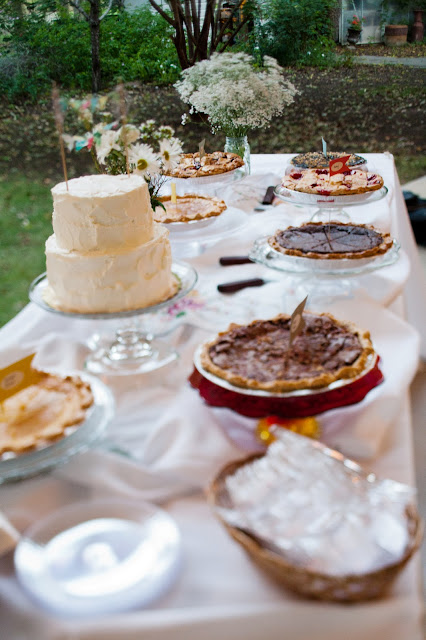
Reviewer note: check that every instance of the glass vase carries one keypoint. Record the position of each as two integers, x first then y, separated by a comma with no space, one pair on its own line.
241,147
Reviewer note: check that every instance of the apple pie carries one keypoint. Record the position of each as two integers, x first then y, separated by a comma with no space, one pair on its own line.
188,208
190,165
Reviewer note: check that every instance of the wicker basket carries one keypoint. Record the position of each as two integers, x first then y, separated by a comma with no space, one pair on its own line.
348,588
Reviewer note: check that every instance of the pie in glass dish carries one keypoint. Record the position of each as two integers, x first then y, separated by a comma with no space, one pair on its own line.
41,413
188,208
319,182
211,164
331,241
258,356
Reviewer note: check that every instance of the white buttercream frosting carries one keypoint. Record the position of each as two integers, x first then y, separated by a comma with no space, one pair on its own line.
96,282
102,213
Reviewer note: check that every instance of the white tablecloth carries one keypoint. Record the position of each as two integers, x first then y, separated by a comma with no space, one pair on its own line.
177,444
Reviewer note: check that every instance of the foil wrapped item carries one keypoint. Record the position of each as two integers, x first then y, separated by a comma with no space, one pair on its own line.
317,509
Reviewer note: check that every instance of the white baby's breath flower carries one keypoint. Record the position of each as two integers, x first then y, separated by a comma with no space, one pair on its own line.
235,94
170,152
143,159
109,141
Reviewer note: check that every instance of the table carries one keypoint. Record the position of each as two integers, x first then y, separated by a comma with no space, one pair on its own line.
178,444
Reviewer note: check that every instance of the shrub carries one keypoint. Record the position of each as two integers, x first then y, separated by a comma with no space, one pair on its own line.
133,47
298,32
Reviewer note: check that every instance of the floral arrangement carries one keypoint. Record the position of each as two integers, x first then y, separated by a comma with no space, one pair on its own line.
148,150
355,23
236,93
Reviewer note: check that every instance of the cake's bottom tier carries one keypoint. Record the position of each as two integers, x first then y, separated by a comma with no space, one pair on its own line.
107,283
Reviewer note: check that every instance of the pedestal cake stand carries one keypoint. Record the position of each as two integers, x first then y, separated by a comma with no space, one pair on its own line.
329,207
323,280
133,350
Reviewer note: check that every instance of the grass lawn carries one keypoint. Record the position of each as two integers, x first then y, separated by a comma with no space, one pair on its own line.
25,223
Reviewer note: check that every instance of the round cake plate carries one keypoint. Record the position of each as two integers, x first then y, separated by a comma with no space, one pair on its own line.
301,403
264,254
133,350
192,239
99,557
329,207
76,440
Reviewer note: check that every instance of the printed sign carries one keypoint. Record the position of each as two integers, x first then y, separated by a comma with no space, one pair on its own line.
173,196
339,165
17,376
324,147
201,148
297,322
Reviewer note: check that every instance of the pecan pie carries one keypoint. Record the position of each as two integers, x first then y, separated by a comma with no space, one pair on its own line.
258,356
190,165
317,160
319,182
331,240
40,414
188,208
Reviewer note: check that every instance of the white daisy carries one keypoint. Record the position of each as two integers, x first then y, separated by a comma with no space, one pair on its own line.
131,132
143,158
109,141
170,152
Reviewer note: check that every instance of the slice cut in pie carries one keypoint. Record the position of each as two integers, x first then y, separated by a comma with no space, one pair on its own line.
317,160
39,414
188,208
190,165
331,240
258,355
319,182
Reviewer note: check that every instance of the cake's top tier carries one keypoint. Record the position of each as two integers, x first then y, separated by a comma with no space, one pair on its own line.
102,213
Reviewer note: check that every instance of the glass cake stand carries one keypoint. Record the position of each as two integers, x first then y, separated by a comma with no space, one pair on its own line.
133,350
329,207
322,279
190,239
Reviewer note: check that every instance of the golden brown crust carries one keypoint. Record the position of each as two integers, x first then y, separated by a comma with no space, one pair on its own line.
319,182
211,164
39,414
188,208
322,380
383,247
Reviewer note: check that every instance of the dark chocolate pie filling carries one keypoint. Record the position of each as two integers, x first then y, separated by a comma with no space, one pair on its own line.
261,350
329,238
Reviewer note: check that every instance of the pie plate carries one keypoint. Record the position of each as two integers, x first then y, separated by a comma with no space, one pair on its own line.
301,403
75,440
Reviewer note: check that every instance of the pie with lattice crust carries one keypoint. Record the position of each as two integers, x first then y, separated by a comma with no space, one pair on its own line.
211,164
258,355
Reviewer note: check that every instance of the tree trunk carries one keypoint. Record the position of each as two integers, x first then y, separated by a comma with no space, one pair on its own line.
95,39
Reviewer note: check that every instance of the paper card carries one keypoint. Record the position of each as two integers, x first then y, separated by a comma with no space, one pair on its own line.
173,194
17,376
324,147
297,322
201,148
339,165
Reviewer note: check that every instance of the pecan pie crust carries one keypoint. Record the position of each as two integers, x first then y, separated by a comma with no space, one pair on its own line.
189,207
190,165
331,241
257,355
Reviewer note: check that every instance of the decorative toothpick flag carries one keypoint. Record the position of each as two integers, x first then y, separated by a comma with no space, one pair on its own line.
201,148
339,165
173,196
297,322
17,376
324,147
59,122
